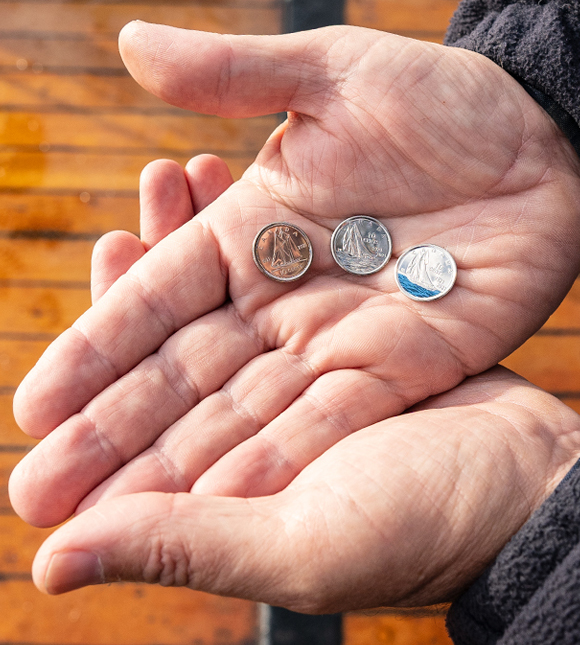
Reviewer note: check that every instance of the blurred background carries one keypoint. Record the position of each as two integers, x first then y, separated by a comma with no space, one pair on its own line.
75,132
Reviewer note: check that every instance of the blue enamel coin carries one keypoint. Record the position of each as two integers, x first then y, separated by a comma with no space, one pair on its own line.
425,272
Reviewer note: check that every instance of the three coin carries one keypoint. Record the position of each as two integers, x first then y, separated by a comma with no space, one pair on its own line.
360,245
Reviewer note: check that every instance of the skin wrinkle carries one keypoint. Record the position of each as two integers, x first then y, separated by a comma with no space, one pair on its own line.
110,367
246,324
224,78
179,375
494,187
338,421
242,411
107,447
174,475
424,580
153,303
153,566
527,500
320,94
267,185
450,478
222,264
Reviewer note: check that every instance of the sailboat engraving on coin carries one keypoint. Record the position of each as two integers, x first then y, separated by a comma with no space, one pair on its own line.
426,272
282,252
285,250
361,245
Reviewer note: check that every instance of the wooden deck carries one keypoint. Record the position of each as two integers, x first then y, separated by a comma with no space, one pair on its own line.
75,131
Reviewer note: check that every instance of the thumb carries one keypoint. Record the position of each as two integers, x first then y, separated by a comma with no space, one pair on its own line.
230,76
226,546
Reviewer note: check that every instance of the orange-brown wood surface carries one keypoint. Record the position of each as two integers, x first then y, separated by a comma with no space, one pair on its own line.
75,131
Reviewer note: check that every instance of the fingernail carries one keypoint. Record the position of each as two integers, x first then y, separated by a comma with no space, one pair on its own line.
73,570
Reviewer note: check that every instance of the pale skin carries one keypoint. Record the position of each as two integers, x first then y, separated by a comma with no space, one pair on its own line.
194,373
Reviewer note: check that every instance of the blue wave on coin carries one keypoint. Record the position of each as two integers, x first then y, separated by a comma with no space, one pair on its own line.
415,289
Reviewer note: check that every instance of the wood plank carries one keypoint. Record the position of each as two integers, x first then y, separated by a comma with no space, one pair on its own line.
41,309
573,403
66,52
17,358
551,362
85,171
187,132
27,91
427,19
45,259
107,19
567,316
361,629
11,437
18,545
82,212
131,614
7,462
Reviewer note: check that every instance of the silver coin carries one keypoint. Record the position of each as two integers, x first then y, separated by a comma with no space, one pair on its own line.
282,252
361,245
426,272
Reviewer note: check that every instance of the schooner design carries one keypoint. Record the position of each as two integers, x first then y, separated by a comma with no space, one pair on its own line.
418,271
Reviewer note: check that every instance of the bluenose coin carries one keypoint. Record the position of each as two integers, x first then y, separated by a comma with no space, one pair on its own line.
361,245
282,252
425,272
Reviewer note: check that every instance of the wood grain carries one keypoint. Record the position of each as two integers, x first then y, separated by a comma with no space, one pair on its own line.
17,358
8,459
80,93
70,211
184,132
366,629
46,259
18,546
45,310
87,171
551,362
11,437
101,18
421,19
132,614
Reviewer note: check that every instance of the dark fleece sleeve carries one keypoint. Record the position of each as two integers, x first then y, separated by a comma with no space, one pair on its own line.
530,595
537,42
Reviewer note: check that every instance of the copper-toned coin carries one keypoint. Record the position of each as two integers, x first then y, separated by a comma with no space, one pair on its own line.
282,252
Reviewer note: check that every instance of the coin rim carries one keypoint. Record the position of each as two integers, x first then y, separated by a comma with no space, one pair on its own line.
430,298
376,221
259,264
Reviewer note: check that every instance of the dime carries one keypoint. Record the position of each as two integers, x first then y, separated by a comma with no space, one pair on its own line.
282,252
361,245
425,272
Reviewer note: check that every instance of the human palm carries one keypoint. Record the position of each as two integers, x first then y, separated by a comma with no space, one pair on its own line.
195,372
405,512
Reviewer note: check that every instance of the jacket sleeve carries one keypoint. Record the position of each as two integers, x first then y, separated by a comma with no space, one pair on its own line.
537,42
530,595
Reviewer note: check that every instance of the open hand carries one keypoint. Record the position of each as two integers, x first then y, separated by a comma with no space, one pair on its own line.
406,512
195,372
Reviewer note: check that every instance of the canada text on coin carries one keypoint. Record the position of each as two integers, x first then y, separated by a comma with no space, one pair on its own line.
361,245
425,272
282,251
